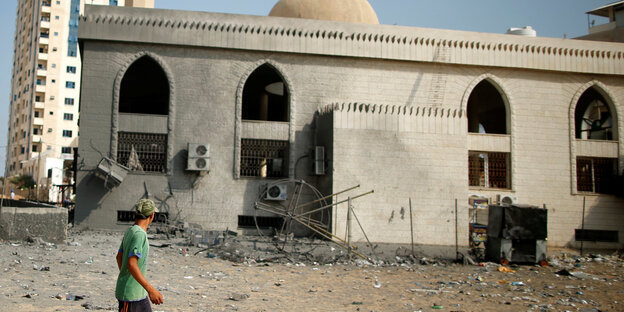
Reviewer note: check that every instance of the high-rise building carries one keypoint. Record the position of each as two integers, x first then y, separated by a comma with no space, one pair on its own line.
44,99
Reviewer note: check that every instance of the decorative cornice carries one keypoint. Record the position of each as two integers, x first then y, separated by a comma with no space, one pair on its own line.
396,118
346,39
381,109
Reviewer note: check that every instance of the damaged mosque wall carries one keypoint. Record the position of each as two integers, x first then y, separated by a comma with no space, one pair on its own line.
428,114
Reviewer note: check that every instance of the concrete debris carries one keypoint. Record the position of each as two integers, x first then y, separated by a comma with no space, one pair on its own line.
251,271
238,297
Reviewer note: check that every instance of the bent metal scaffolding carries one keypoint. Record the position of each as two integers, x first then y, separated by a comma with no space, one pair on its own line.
311,214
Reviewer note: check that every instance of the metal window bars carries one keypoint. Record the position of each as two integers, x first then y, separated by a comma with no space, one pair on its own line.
263,158
489,169
594,174
142,151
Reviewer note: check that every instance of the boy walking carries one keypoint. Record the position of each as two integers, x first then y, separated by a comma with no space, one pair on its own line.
133,291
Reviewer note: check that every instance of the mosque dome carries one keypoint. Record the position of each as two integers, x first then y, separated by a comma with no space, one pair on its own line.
353,11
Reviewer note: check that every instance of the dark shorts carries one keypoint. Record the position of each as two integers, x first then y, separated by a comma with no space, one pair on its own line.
135,306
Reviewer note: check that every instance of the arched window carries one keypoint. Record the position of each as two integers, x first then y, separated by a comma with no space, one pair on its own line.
144,89
486,110
265,96
487,114
596,163
592,117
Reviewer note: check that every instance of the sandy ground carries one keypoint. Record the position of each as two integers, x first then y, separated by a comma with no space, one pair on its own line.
81,275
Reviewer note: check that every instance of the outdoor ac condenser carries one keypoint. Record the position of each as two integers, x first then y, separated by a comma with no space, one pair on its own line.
111,172
198,157
276,192
507,200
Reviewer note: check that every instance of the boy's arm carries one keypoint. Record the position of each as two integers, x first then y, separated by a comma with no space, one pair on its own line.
154,295
119,259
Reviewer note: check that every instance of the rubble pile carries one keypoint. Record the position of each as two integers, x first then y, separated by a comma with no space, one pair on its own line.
233,273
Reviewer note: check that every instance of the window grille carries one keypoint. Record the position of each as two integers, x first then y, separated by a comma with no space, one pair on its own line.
142,151
263,158
489,170
594,174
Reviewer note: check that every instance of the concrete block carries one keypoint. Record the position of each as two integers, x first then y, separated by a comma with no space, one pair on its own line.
18,223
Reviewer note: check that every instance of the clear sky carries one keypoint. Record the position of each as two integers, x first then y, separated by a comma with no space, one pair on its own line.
550,18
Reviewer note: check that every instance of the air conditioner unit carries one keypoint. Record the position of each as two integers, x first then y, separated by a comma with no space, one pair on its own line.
276,192
319,160
112,172
198,157
507,200
480,199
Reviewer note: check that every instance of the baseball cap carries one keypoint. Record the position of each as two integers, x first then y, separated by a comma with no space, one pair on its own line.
145,207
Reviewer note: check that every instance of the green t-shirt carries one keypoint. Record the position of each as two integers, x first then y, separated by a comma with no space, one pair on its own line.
133,244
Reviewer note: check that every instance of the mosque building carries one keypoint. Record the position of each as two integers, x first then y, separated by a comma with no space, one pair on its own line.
236,122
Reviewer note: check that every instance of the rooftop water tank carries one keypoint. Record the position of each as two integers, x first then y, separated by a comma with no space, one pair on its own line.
526,31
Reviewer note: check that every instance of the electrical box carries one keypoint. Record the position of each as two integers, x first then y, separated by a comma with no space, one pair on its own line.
517,233
198,157
319,160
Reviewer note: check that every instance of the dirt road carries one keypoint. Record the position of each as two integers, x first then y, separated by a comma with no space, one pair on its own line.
81,275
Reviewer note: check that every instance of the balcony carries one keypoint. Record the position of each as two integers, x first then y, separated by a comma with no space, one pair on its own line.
44,24
36,138
42,72
602,27
45,9
40,88
43,56
38,121
39,105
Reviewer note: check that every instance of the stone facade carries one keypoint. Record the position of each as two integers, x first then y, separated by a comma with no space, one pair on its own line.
388,103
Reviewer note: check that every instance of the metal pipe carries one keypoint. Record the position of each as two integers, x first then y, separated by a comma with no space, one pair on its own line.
583,226
280,213
319,231
411,225
329,196
349,226
456,237
364,232
336,203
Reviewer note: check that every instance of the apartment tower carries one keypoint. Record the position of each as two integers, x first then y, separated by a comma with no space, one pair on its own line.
45,84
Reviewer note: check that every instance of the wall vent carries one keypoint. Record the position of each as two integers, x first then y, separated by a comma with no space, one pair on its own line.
596,236
263,222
